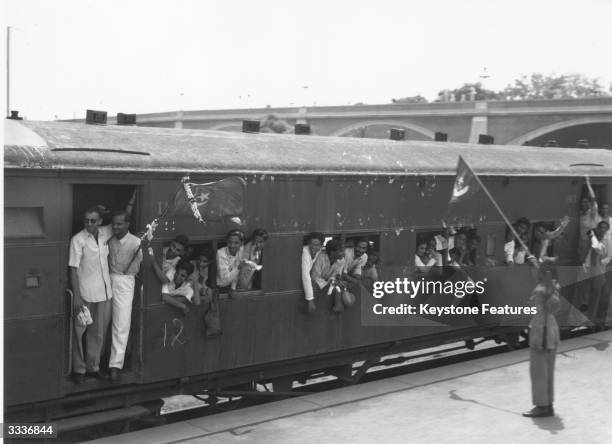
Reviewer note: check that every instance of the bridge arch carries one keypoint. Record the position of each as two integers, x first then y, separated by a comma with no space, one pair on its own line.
226,126
394,123
557,126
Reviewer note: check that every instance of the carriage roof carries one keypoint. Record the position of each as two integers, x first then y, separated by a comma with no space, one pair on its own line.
77,146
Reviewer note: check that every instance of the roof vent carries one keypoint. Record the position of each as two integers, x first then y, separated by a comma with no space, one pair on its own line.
15,116
301,128
95,117
485,139
250,126
397,134
441,137
126,119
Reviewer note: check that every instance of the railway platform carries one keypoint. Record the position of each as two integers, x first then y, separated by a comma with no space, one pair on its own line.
479,401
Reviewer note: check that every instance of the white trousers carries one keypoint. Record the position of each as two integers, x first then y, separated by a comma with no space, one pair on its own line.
123,294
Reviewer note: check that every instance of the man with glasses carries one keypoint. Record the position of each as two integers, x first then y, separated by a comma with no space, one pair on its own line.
91,284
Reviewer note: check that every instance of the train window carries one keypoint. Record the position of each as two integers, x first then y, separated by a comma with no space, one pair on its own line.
23,222
202,256
425,235
467,239
349,240
373,241
249,279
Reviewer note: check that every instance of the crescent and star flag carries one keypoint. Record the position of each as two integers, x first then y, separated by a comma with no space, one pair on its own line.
211,201
466,184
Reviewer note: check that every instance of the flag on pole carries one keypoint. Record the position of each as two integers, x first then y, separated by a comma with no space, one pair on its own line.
466,183
206,201
212,200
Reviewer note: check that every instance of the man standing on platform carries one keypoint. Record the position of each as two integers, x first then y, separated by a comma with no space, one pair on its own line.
125,258
544,338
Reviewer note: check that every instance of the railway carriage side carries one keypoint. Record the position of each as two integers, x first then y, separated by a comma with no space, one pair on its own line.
267,333
271,325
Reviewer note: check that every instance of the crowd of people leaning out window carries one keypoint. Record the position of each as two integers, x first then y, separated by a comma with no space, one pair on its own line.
461,248
104,260
187,272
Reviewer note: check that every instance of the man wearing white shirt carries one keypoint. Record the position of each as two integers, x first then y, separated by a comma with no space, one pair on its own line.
178,290
125,258
310,253
355,259
228,261
91,285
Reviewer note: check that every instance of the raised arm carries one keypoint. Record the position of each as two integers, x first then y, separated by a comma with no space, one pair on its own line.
587,179
594,210
130,205
156,268
559,230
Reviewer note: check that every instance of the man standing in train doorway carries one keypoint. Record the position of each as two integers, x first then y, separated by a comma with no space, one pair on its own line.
125,258
91,284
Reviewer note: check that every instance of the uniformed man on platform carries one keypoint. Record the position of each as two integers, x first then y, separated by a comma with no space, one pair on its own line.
544,337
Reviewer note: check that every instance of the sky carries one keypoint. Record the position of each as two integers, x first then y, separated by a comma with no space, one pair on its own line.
153,56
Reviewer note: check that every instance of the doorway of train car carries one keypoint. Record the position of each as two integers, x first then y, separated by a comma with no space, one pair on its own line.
112,197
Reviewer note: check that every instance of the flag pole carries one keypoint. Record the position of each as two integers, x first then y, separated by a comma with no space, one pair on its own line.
497,207
8,71
153,225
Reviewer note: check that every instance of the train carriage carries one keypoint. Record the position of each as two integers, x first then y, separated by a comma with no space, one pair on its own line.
387,190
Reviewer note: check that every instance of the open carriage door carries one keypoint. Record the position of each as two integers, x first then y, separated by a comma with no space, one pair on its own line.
113,197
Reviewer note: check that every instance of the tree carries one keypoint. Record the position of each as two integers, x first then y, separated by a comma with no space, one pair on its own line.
412,99
272,124
470,91
565,86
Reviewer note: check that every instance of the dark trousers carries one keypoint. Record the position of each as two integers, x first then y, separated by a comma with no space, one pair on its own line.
542,372
95,334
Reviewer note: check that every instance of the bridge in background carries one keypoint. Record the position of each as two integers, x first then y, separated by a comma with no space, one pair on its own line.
530,122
